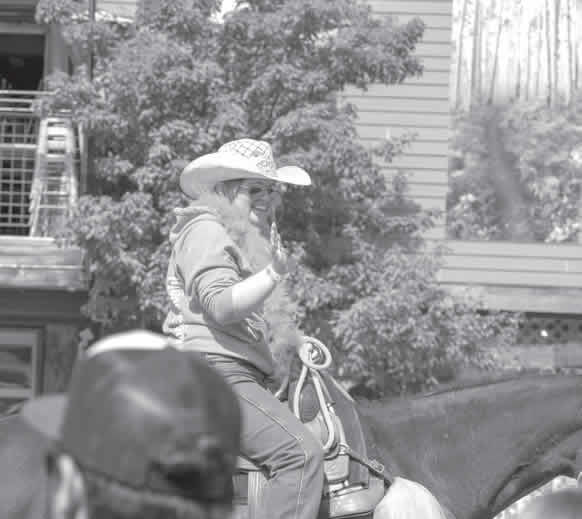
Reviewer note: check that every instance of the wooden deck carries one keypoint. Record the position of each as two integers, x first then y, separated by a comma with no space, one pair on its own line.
38,263
124,8
529,277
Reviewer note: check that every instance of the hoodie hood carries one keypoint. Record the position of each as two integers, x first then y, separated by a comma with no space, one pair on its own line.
211,206
186,216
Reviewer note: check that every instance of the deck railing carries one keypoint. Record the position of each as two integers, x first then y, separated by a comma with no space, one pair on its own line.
18,142
16,102
23,160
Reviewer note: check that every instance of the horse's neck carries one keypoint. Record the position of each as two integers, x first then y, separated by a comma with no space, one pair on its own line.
466,445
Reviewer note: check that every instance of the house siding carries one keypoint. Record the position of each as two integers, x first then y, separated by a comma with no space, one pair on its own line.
419,105
125,8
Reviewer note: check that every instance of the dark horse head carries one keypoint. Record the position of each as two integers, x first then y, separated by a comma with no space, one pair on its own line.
479,448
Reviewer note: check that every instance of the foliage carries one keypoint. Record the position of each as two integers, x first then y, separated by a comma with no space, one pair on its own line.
72,18
541,155
430,333
179,85
471,201
543,143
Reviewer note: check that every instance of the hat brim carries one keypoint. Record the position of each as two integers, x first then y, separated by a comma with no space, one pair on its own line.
205,172
46,414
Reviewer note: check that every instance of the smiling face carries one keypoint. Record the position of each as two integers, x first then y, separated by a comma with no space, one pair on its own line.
260,198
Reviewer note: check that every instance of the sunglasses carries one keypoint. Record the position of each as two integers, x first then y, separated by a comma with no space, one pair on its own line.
256,189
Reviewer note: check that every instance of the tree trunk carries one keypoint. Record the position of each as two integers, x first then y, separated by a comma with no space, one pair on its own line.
576,67
518,82
518,44
557,49
488,14
476,65
539,53
496,53
549,96
576,42
571,55
458,94
528,61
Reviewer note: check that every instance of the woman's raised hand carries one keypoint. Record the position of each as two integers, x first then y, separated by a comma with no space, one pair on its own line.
280,262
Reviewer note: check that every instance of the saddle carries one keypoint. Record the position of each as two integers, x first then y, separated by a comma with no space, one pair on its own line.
354,484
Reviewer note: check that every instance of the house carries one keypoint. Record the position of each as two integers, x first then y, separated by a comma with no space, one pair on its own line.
42,172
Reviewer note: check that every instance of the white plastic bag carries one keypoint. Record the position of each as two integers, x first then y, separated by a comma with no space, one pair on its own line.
407,499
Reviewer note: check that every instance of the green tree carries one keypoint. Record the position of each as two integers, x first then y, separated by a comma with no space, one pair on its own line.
179,84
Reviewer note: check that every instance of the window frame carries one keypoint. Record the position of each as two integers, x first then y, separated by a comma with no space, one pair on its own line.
30,338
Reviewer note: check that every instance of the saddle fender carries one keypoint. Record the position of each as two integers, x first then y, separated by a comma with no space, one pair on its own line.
356,501
346,493
354,485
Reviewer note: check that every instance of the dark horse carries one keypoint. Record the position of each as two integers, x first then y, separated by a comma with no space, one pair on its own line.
477,448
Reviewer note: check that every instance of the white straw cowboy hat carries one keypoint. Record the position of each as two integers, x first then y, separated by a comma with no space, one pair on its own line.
243,158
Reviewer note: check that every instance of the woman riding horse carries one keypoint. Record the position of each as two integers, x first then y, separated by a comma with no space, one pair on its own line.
221,273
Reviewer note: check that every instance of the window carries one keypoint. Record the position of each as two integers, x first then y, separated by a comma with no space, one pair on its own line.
21,61
19,357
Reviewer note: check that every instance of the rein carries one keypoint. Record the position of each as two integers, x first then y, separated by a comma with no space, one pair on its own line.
314,358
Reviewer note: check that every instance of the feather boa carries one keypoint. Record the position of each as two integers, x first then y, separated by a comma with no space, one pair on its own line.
284,336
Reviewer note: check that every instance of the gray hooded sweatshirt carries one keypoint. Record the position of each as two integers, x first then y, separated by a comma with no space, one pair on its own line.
204,265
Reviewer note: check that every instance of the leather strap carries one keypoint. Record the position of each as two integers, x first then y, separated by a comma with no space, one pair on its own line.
374,466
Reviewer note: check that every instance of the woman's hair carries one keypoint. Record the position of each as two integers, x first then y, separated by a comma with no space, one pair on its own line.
107,498
228,188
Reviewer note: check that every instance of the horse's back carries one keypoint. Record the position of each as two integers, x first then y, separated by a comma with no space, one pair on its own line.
22,455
